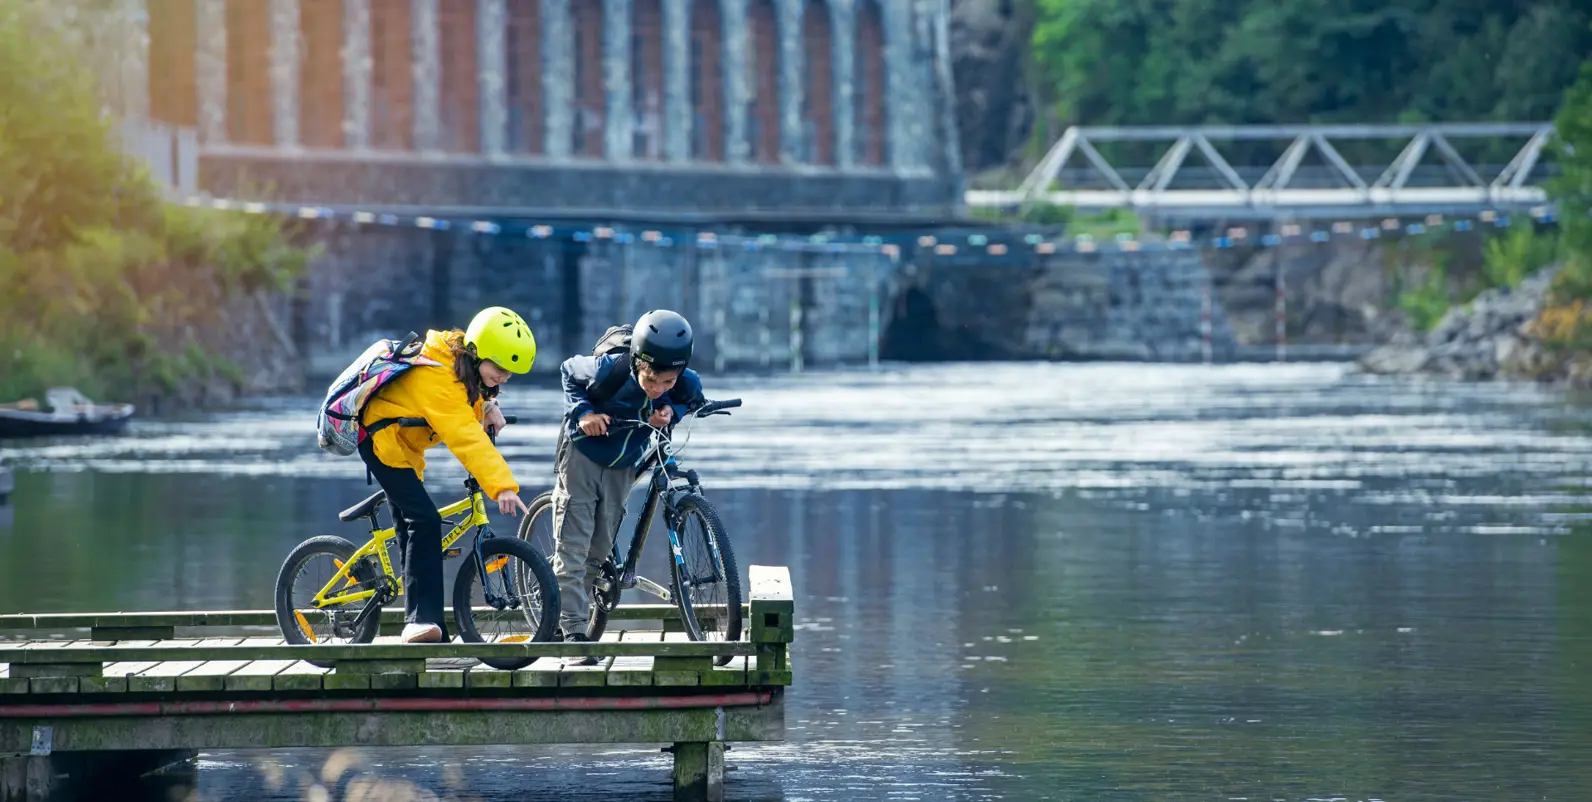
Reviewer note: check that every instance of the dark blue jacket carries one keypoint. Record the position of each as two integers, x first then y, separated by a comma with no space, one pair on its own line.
623,445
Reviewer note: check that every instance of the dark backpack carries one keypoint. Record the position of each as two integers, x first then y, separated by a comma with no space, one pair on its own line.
616,340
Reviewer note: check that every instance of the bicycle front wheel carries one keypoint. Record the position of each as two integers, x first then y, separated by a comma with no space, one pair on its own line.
707,582
514,600
309,568
536,528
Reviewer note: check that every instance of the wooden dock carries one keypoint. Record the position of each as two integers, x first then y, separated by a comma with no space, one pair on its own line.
143,689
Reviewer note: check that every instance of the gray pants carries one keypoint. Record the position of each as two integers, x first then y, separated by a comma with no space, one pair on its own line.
588,504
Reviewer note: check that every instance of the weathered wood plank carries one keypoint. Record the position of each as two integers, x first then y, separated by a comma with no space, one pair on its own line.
53,685
730,674
486,677
540,674
257,675
440,679
345,682
773,607
630,671
585,676
102,684
209,676
255,618
128,668
300,676
13,685
187,649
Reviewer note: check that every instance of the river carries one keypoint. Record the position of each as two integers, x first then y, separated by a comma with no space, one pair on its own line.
1090,582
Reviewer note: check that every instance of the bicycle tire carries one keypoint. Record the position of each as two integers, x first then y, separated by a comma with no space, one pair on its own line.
469,572
597,614
341,550
714,526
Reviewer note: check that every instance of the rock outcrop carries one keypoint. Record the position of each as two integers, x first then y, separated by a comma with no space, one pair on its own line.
1484,339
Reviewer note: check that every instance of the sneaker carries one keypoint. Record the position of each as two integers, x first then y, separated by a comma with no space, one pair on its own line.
588,660
422,633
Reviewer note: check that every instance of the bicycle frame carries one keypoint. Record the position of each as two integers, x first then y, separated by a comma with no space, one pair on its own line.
475,504
664,476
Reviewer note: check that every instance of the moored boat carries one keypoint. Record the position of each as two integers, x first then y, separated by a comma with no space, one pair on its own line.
71,413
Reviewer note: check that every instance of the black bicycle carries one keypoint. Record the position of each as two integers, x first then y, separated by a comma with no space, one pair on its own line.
706,582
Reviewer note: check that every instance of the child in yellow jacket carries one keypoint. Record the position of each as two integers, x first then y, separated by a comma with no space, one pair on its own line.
457,399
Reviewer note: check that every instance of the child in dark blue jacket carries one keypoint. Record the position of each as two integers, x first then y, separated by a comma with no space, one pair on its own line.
596,468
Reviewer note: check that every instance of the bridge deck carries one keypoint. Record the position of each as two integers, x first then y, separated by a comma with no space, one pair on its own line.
134,685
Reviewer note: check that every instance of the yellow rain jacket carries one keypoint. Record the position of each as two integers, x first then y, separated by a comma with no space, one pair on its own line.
435,394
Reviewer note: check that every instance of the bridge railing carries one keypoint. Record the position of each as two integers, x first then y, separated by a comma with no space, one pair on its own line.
1277,191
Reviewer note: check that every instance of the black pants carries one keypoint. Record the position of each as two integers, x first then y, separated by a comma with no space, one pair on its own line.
419,539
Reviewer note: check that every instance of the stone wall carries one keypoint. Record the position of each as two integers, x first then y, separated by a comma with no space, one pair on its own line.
752,309
1109,306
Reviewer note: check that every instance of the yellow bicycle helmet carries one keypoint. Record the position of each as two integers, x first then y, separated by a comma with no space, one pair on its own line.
501,335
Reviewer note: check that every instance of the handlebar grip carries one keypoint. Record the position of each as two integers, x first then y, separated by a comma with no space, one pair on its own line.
511,419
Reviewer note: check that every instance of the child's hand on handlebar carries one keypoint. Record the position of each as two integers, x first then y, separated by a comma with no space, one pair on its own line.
594,424
509,503
662,417
493,421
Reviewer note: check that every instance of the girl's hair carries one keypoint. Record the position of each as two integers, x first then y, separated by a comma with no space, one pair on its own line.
467,367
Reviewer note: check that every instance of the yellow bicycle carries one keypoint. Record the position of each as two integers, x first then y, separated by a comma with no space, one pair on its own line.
504,591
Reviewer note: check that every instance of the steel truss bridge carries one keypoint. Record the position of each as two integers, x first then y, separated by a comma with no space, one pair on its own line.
1287,188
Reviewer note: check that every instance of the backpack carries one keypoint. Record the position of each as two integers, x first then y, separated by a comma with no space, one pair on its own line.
337,424
616,340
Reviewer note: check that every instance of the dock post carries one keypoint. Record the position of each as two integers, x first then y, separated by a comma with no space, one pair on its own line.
46,777
699,772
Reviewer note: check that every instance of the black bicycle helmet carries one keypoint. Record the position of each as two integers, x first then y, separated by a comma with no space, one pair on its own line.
662,339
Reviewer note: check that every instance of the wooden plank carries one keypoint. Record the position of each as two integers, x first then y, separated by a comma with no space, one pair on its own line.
257,675
160,677
13,685
102,684
440,679
300,676
187,649
634,671
209,676
730,674
252,618
53,685
540,674
585,676
345,682
773,608
393,682
487,677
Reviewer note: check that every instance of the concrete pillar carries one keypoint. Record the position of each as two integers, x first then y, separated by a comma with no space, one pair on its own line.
737,83
427,60
899,84
357,66
618,118
699,771
843,23
491,25
285,72
677,80
211,69
792,72
558,77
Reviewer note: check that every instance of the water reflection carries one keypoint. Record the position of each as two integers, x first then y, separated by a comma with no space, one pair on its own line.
1032,582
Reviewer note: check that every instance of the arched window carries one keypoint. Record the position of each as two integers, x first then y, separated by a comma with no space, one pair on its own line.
523,57
392,121
818,113
763,58
321,75
590,100
870,100
459,123
646,79
249,112
707,82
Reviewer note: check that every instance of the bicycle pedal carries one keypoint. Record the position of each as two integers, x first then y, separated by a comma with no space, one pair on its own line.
448,554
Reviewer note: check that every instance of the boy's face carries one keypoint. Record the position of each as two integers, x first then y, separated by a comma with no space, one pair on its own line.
655,382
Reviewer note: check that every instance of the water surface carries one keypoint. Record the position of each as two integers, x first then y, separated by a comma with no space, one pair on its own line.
1014,581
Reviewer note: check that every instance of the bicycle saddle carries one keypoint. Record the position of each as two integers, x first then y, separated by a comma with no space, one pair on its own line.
364,508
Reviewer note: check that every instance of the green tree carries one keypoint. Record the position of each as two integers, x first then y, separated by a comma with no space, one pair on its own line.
105,285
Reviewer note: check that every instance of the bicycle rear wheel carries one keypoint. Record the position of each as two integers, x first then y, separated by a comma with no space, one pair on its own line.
707,582
517,603
307,569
